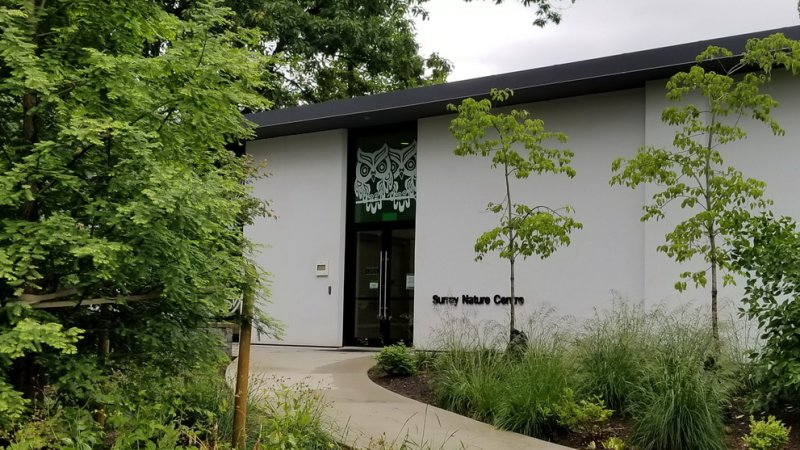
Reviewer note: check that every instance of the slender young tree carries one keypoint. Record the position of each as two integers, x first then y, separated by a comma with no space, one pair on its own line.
515,144
693,173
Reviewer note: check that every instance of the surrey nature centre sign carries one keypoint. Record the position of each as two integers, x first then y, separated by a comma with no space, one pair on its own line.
476,300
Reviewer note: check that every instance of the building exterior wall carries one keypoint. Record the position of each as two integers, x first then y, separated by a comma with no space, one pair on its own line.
614,256
604,259
307,191
761,155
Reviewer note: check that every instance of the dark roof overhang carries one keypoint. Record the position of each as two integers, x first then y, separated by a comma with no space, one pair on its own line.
624,71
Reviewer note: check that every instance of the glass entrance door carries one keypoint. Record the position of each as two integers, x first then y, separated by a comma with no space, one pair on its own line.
384,287
379,253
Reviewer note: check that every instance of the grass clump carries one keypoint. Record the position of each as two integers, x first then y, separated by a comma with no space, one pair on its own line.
611,350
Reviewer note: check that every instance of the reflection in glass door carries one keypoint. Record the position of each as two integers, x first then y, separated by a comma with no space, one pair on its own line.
384,287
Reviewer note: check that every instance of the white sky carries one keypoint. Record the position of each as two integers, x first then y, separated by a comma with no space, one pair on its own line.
481,38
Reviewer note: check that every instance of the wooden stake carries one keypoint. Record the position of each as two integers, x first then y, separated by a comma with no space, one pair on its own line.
243,370
104,348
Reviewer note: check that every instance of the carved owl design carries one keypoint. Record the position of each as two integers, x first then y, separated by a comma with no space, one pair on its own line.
404,162
373,170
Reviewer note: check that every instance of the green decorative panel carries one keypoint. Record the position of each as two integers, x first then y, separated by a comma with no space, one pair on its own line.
385,186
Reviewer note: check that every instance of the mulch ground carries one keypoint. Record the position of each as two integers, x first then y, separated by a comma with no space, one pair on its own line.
418,387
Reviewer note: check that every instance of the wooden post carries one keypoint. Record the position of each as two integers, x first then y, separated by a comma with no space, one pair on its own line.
104,347
243,370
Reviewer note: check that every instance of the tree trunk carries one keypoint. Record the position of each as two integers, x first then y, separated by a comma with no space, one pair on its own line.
511,259
712,235
243,371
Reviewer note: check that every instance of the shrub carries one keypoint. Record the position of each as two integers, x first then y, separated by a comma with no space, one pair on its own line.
585,417
768,434
769,254
396,360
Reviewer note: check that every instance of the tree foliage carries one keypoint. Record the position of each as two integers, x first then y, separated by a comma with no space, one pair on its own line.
516,144
768,251
693,174
115,179
334,49
546,11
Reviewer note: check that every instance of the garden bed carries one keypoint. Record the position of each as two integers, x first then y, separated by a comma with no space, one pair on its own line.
419,387
652,379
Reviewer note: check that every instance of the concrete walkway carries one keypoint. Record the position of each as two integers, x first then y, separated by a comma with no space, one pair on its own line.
366,416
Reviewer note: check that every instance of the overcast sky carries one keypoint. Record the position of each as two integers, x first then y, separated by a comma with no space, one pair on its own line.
481,38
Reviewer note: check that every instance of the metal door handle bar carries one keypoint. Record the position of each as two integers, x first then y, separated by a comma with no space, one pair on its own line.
385,286
380,287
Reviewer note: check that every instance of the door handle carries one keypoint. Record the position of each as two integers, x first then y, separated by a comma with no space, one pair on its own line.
380,287
385,285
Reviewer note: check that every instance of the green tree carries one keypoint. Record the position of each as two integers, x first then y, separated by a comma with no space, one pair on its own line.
694,173
515,144
115,179
333,49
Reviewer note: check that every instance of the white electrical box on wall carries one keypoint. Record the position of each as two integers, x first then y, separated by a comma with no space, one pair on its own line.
321,268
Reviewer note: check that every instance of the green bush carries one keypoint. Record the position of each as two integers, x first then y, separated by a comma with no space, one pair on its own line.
768,434
396,360
586,417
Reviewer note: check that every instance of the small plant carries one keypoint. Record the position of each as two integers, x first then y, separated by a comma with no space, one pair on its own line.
585,417
770,434
396,360
612,443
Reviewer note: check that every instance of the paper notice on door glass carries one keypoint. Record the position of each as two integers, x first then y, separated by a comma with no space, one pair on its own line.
373,285
410,281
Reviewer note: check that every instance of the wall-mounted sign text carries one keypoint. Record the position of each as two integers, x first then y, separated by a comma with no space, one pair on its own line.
476,300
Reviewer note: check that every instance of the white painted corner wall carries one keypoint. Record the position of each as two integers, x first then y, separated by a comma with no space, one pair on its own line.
307,191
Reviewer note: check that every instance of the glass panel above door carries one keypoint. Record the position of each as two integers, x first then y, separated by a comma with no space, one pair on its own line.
385,182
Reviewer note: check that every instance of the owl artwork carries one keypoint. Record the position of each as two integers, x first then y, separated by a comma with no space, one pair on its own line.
404,163
373,178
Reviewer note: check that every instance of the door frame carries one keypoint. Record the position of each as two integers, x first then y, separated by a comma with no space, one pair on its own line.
351,228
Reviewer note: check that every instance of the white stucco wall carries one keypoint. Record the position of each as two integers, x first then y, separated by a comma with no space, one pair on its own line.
605,258
307,190
761,155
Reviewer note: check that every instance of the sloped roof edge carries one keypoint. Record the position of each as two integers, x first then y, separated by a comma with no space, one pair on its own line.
623,71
